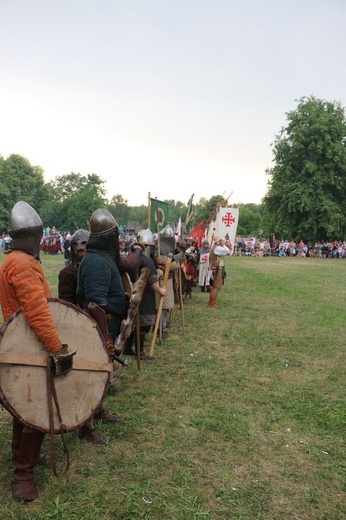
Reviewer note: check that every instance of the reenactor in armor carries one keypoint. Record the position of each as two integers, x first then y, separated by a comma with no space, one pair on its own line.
164,248
67,287
204,271
24,286
67,290
145,249
217,264
99,278
99,282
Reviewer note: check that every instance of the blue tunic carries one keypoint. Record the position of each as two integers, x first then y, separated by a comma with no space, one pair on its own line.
99,281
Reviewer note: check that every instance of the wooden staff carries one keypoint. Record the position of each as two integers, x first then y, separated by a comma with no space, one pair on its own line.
158,247
181,302
159,310
160,329
149,209
138,341
133,309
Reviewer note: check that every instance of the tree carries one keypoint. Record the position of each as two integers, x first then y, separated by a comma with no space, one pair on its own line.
64,186
306,195
205,208
5,203
249,220
119,208
19,180
139,214
176,209
73,198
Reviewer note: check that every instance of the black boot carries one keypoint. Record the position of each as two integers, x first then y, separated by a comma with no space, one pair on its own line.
102,416
128,349
88,434
23,484
143,355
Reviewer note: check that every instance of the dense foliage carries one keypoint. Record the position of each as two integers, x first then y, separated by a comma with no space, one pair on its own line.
68,201
306,197
307,188
20,181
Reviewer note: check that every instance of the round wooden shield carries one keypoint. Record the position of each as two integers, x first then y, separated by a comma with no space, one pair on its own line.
23,369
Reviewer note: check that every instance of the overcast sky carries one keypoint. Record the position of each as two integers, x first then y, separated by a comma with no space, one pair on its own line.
168,97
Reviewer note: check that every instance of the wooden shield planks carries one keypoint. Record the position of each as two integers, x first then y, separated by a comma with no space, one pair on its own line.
23,372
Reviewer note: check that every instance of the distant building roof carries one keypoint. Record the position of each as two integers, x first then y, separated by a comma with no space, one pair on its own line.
133,225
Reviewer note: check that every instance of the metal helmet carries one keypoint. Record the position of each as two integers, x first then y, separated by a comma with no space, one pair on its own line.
167,240
79,240
139,235
167,232
146,237
23,216
25,229
102,222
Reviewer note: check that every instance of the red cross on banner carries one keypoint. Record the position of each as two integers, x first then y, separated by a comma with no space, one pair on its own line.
228,219
224,225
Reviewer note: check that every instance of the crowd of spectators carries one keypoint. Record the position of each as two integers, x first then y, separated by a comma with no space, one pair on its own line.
53,242
252,246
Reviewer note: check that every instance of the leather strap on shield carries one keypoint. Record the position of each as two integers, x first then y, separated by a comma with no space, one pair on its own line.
52,395
23,369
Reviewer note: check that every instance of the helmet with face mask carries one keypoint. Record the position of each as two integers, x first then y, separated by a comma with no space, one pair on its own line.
79,240
167,240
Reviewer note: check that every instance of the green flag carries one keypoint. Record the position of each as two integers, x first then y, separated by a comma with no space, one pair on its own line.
158,214
190,210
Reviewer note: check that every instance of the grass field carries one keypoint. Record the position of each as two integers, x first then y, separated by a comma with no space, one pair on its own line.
242,417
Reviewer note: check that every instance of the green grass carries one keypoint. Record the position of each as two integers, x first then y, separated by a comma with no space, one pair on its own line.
242,417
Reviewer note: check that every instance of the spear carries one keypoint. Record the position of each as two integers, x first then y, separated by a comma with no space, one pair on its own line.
159,310
159,253
181,301
138,341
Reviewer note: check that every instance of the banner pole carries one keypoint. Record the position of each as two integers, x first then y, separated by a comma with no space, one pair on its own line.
149,208
159,310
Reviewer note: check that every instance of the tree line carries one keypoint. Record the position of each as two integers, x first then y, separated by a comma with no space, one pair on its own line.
305,199
68,201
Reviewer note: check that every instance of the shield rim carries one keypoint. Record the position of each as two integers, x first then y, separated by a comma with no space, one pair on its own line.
4,400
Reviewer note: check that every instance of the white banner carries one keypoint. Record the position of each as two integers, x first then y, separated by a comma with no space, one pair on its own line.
224,225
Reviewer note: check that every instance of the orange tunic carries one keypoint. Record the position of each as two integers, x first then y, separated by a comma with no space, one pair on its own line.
24,286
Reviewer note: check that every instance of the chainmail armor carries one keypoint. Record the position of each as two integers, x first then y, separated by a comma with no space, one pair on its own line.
27,239
107,242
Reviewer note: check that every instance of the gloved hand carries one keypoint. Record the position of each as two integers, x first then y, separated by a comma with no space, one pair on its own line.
62,361
179,257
